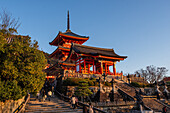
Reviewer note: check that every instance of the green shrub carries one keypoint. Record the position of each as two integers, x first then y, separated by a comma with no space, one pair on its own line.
94,79
71,82
10,90
150,85
107,83
91,83
96,83
76,81
83,89
138,84
168,83
135,84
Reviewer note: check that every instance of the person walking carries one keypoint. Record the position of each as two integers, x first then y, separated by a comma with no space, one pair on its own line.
84,109
90,108
164,110
49,95
125,99
76,102
38,95
43,96
73,102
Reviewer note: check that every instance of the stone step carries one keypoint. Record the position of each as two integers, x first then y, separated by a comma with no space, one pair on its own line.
148,102
46,108
55,111
37,101
47,105
54,106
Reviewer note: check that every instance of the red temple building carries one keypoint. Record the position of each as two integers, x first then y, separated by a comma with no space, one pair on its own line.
74,59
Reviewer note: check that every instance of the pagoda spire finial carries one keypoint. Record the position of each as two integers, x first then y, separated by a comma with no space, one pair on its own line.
68,22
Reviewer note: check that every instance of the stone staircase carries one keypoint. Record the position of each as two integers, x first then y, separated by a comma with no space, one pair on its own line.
154,105
55,105
151,103
129,90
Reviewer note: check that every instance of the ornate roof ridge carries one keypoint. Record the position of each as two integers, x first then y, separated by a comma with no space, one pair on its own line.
70,33
95,50
98,48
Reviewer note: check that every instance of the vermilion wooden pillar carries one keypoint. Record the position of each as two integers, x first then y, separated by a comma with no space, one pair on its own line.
114,69
84,66
88,68
76,67
93,66
101,68
106,68
79,67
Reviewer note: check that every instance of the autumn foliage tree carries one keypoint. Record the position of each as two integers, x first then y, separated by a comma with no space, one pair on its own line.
21,65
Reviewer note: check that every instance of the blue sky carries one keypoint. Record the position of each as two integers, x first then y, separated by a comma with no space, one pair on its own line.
139,29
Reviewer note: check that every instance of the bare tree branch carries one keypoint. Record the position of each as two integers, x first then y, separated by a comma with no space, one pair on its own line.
152,73
8,24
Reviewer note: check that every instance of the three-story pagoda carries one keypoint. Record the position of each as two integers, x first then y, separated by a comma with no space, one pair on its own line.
74,59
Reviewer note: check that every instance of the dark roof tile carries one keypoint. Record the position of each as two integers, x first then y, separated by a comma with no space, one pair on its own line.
69,33
95,51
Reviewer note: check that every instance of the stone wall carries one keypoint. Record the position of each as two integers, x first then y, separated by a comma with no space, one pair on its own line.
133,79
10,105
69,90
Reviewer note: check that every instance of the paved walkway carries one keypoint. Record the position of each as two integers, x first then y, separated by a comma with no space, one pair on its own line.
55,105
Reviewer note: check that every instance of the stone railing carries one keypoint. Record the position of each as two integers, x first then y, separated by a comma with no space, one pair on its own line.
95,75
122,92
168,107
24,104
65,98
111,104
14,106
10,106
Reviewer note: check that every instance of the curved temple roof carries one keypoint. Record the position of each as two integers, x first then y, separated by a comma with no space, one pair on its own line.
95,51
74,35
70,35
59,47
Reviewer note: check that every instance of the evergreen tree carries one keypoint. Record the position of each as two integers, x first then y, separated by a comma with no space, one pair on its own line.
21,64
83,89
